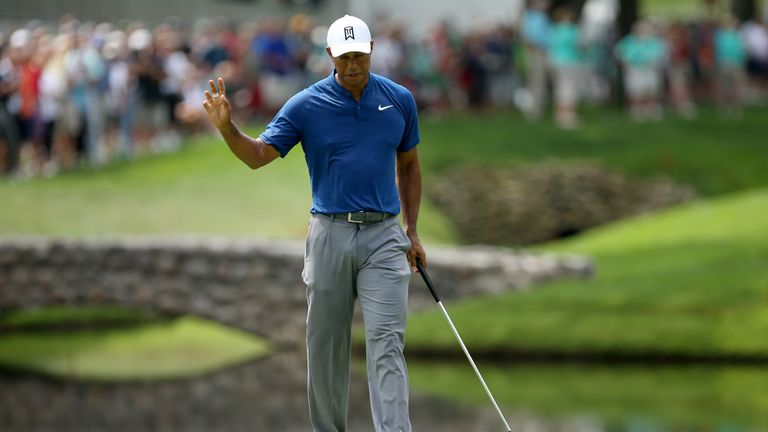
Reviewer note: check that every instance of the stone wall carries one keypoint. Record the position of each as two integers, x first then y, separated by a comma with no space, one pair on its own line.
254,285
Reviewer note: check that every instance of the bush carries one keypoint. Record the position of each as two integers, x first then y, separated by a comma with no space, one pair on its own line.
545,201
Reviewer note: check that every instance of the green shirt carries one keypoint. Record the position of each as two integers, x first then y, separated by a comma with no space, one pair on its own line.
563,49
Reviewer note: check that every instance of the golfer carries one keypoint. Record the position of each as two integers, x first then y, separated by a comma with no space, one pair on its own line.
359,133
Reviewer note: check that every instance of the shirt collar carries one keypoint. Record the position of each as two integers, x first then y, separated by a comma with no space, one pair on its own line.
341,90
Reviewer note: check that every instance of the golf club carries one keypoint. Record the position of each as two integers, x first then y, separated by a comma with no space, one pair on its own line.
432,289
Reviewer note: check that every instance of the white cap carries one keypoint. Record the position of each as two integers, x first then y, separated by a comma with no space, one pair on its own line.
21,38
349,34
139,39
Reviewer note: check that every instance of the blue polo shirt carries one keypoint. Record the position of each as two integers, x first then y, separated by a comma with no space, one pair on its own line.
350,146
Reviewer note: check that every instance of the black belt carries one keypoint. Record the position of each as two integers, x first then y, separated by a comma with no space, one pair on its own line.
361,217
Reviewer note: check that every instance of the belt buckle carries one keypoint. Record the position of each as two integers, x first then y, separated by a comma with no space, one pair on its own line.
349,218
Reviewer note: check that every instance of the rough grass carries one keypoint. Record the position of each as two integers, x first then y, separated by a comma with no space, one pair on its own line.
689,281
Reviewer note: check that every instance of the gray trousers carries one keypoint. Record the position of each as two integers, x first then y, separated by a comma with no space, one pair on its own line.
343,262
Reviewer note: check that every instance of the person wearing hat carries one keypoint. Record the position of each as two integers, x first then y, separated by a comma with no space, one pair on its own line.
359,133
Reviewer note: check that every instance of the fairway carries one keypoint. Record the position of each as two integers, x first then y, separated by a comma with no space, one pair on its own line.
204,190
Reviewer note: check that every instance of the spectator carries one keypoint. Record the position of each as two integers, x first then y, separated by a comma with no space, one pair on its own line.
86,73
565,60
755,37
9,141
429,89
443,42
120,88
499,60
176,67
535,35
390,51
148,100
59,115
83,93
641,55
52,91
23,104
679,70
731,57
474,75
279,74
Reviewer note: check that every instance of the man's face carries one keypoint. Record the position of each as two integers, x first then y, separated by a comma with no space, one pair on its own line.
352,68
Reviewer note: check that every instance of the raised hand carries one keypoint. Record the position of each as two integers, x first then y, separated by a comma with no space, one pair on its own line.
217,105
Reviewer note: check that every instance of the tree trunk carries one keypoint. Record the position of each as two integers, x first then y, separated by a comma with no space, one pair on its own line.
744,9
628,14
575,5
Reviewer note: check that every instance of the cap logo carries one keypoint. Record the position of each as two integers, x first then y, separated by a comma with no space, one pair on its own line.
349,33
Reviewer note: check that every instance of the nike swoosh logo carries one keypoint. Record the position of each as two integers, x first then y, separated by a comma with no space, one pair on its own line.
381,108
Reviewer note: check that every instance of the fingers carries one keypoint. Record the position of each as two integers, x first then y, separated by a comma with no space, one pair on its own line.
417,253
221,91
208,98
421,257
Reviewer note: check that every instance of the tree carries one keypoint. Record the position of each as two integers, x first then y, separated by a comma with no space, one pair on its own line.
744,9
575,5
628,14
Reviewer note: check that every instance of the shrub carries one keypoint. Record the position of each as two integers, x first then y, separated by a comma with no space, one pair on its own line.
545,201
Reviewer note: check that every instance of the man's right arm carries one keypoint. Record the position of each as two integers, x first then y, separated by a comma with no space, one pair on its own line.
253,152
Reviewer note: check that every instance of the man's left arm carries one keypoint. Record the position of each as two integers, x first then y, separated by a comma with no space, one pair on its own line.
409,187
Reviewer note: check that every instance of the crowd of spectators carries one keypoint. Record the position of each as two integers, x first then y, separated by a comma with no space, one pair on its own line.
79,93
657,67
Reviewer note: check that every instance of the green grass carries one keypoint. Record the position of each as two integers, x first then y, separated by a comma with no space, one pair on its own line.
178,348
205,190
673,398
78,316
690,281
677,9
200,190
715,156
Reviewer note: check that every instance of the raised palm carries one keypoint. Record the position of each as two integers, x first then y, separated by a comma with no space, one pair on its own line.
217,105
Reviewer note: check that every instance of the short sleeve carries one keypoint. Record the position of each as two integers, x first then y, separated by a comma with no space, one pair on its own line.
285,130
411,132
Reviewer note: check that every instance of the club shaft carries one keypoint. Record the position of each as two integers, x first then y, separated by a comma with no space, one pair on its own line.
472,362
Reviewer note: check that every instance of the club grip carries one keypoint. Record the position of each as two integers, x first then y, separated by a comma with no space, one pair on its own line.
427,281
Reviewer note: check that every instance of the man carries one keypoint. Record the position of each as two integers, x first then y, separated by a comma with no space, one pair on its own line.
642,55
535,34
565,61
359,134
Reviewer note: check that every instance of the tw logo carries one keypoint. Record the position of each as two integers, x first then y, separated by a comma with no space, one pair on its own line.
349,33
